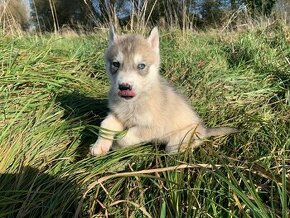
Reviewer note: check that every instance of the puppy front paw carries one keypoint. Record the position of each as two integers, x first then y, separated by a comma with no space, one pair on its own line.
101,147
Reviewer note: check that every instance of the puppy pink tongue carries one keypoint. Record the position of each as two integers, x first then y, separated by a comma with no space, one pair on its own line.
126,93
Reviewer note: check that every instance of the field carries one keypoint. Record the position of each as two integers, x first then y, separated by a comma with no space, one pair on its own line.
53,97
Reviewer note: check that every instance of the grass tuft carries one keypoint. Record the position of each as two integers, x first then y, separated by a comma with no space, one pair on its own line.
53,97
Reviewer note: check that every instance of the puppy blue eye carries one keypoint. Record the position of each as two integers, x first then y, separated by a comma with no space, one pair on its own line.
116,64
141,66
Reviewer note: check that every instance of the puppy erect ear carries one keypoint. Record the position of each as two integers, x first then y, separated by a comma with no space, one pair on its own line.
153,39
112,35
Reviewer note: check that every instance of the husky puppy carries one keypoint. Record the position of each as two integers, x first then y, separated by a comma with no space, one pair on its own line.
143,103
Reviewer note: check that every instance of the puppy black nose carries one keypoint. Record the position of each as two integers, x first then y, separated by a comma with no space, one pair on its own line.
125,86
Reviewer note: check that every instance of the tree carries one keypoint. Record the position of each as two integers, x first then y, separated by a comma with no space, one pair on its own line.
212,13
53,14
260,7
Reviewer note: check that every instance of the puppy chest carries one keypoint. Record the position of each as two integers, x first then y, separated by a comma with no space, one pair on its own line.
131,118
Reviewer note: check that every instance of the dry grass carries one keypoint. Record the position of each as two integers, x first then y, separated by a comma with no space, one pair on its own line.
13,17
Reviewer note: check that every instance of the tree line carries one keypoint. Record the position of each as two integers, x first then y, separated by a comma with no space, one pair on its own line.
87,14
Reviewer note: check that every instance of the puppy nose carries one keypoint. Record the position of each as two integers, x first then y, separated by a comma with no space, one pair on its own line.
125,86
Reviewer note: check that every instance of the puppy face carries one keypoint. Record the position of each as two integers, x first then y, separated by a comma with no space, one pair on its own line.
132,63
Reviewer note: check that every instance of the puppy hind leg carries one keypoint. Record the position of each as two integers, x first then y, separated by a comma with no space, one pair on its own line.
110,125
177,143
182,141
135,135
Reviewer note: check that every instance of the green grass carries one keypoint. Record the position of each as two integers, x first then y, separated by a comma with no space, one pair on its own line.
53,97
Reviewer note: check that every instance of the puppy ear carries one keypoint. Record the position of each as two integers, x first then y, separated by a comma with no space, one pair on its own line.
153,39
112,34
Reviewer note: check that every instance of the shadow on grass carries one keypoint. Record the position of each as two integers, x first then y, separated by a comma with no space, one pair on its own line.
32,193
84,111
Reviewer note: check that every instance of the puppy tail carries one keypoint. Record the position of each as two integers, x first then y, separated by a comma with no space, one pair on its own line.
220,131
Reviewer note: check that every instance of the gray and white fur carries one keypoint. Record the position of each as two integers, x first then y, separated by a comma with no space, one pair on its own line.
142,102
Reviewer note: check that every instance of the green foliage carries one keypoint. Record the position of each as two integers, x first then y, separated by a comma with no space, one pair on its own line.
212,13
260,7
52,98
55,14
